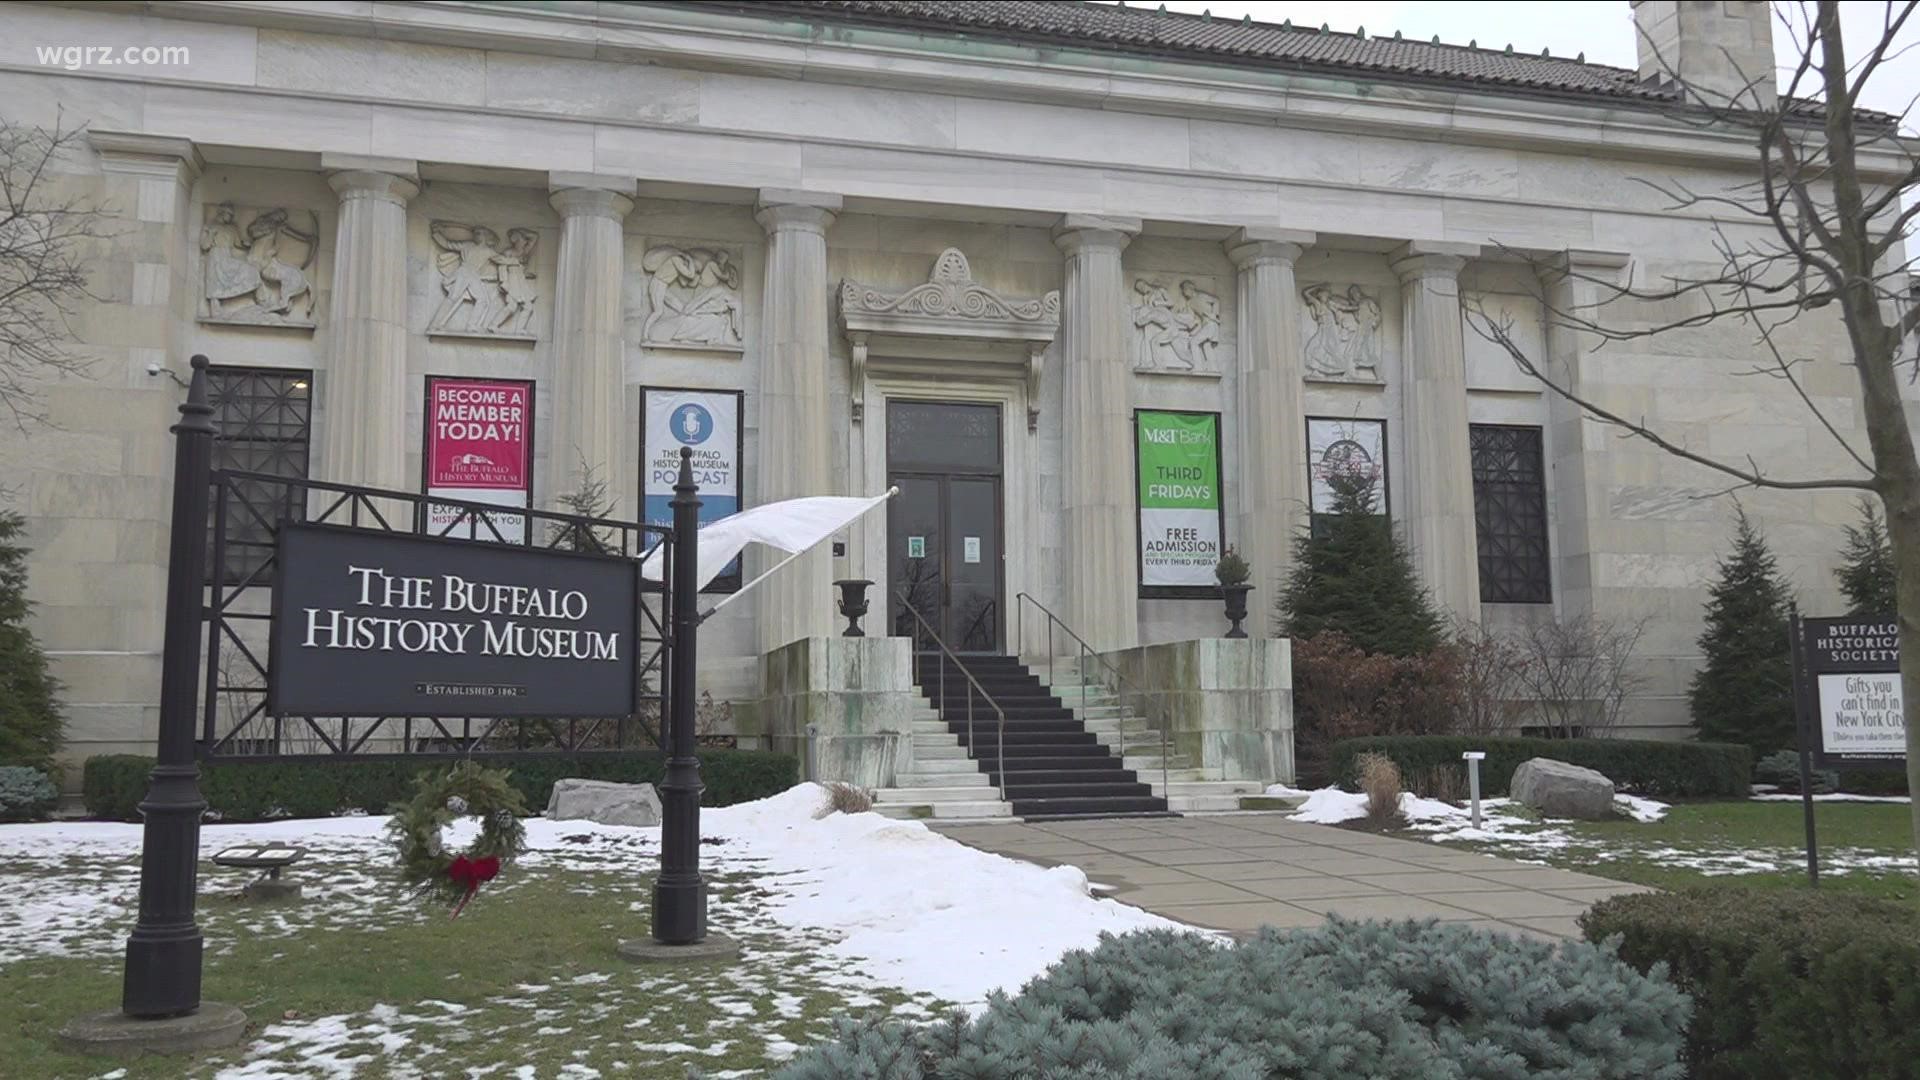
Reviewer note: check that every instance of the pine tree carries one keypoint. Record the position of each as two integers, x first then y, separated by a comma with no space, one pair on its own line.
30,722
1353,574
1867,577
1744,691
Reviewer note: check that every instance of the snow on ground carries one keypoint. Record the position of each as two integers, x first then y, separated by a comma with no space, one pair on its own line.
1331,806
1514,832
904,906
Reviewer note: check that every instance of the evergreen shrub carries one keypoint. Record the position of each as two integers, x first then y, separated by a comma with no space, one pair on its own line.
31,726
1785,982
114,784
1782,770
1400,1001
26,794
1743,691
1674,770
1353,574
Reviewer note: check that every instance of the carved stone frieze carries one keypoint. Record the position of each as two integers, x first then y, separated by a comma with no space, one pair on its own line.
1176,326
693,298
1343,334
486,286
255,265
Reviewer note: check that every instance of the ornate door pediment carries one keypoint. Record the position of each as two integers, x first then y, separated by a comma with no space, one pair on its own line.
950,322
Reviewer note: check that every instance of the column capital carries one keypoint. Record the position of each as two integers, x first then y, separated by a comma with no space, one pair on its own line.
1421,259
1080,232
133,152
373,184
791,210
600,202
1261,243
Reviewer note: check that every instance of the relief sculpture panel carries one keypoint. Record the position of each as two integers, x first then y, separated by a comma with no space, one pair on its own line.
1343,334
256,265
487,288
1176,328
693,298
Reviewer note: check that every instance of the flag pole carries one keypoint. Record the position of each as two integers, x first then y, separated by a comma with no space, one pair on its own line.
775,568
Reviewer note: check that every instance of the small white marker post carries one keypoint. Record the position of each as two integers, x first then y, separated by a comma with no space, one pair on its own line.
1474,758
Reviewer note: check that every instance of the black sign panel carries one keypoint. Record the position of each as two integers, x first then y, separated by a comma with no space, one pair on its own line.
390,624
1849,691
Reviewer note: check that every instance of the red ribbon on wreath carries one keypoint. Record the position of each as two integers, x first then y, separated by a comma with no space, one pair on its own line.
470,874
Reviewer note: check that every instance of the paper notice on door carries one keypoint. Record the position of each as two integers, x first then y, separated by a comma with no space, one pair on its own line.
916,547
970,549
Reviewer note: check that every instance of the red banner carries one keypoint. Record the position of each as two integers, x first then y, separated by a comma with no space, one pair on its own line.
477,435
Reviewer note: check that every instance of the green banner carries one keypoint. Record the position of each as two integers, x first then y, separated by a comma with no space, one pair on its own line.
1177,456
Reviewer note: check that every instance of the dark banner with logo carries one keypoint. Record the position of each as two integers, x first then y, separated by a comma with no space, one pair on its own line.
391,624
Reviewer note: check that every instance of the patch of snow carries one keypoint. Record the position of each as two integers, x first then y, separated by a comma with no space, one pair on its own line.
1331,806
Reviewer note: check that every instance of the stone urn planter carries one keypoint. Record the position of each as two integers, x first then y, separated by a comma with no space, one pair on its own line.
853,604
1236,597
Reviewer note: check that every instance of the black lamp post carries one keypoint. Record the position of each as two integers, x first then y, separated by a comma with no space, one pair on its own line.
680,893
853,604
163,953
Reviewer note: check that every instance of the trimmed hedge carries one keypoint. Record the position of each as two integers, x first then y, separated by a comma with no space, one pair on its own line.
1646,766
1407,1001
251,791
1787,982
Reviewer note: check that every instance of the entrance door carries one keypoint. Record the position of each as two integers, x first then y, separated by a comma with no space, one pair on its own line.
943,529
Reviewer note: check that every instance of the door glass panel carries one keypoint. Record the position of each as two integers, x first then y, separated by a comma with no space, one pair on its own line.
936,436
973,553
914,549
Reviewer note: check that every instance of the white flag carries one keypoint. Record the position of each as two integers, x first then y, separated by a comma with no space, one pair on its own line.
793,525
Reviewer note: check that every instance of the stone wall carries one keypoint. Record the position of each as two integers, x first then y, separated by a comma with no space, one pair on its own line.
1225,704
843,706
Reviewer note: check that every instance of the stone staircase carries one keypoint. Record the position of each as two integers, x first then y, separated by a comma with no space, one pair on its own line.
1185,787
1055,764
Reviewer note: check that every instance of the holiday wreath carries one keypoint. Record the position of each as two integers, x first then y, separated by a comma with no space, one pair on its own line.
466,789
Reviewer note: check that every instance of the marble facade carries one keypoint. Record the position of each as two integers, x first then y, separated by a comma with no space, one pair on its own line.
677,210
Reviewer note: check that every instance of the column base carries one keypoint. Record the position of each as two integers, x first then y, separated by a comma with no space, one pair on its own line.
713,947
209,1027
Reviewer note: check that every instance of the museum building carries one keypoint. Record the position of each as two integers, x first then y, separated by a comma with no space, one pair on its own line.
1103,290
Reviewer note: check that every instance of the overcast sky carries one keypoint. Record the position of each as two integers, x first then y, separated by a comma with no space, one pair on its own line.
1603,29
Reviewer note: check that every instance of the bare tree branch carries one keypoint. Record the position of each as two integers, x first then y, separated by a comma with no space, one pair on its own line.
45,238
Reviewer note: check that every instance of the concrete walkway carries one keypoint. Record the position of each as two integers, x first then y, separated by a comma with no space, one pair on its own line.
1240,872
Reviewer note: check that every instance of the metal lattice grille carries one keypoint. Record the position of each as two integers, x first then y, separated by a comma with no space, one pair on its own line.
1510,515
264,420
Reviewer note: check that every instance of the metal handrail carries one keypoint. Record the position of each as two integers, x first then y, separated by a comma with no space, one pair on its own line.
1086,651
973,746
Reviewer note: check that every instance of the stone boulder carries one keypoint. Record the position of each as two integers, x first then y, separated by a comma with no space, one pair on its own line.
1557,789
605,802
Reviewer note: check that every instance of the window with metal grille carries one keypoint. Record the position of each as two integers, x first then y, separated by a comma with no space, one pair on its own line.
1510,514
263,420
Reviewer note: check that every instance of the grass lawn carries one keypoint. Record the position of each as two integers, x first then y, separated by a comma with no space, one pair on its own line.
355,975
1864,847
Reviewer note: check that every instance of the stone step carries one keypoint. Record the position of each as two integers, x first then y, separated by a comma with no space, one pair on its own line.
955,765
931,794
1180,786
927,749
938,779
1144,762
951,811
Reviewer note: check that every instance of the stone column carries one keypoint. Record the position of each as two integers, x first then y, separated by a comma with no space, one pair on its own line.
1097,483
364,395
588,353
796,411
1578,283
1437,492
1272,466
